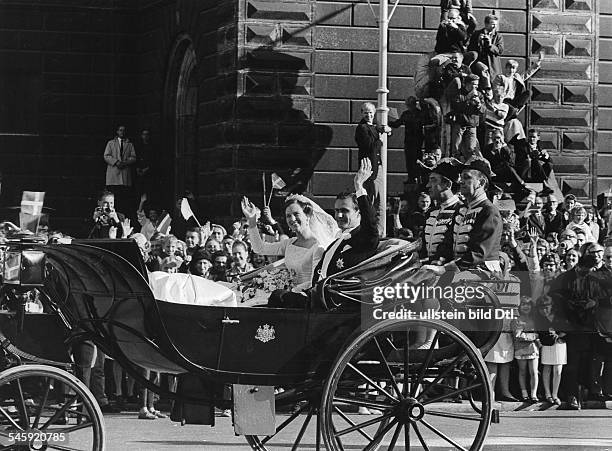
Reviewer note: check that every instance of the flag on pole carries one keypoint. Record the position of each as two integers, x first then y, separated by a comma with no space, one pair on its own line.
187,212
32,202
277,182
186,209
164,225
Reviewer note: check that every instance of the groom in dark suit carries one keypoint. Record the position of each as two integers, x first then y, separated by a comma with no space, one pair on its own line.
356,218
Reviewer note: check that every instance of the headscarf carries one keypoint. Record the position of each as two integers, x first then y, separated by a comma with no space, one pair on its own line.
323,226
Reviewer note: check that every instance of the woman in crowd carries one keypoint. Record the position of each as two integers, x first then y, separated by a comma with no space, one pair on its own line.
550,326
571,259
595,223
578,216
314,230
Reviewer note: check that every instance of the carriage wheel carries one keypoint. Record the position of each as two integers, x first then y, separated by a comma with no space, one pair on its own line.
408,390
42,407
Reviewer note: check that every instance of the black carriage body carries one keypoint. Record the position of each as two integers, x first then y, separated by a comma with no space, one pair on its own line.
104,297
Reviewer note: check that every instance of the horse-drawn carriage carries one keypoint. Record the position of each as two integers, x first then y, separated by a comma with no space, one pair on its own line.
318,366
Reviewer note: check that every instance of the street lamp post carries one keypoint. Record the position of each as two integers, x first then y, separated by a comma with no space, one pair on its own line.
382,109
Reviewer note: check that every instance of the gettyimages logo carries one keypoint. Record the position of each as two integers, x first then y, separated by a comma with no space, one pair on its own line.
412,293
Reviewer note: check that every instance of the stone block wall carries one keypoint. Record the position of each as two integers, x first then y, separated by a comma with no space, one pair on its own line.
68,76
209,28
603,136
563,105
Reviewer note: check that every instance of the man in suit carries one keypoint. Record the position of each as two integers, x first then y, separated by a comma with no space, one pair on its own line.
367,136
119,155
489,45
358,239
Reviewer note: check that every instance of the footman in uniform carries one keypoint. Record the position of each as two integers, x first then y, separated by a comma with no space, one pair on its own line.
438,246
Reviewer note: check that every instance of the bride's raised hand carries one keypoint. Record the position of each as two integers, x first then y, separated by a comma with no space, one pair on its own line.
250,211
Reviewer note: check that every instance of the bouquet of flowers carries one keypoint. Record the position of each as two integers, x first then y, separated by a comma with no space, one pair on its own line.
257,289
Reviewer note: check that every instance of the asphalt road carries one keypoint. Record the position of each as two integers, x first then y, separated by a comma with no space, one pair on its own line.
525,431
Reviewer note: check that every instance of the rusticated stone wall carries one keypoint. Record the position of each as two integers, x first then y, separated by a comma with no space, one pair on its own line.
67,78
564,90
603,136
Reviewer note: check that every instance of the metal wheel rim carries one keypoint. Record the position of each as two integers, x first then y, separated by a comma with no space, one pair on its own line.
470,351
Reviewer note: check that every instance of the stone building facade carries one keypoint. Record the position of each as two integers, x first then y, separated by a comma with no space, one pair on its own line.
234,88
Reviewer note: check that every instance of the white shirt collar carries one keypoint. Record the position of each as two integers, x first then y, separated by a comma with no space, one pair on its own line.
477,200
448,202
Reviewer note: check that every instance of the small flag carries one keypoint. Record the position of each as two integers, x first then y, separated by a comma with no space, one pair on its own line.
393,114
186,209
277,182
32,202
12,265
164,225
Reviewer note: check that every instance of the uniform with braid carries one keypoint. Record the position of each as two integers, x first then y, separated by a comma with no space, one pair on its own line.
477,235
439,230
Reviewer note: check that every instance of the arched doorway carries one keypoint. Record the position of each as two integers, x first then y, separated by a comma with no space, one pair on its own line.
180,122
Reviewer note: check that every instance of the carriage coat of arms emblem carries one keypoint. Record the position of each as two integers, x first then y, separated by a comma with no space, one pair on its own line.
265,333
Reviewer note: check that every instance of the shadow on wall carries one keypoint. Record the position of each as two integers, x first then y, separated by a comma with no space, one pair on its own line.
274,127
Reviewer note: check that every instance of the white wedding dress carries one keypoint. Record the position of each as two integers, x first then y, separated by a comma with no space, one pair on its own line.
301,260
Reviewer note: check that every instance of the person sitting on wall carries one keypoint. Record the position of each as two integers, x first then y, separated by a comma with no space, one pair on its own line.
536,162
516,93
502,159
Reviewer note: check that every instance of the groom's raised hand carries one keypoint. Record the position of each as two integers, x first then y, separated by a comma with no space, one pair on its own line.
364,173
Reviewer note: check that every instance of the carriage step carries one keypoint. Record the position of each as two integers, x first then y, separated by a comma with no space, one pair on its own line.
495,416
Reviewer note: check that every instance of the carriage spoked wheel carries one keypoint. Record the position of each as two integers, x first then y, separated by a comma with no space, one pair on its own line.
417,394
46,408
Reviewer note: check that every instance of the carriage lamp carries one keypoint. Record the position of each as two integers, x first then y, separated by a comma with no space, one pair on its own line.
25,267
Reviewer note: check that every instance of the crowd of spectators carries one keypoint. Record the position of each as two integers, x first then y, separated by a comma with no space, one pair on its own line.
468,104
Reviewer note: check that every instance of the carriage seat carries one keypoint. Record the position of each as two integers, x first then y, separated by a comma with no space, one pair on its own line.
386,252
378,265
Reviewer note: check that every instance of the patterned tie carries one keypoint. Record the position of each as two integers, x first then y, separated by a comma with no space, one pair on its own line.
121,147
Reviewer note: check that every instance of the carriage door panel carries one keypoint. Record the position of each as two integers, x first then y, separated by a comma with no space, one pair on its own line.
195,330
264,341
